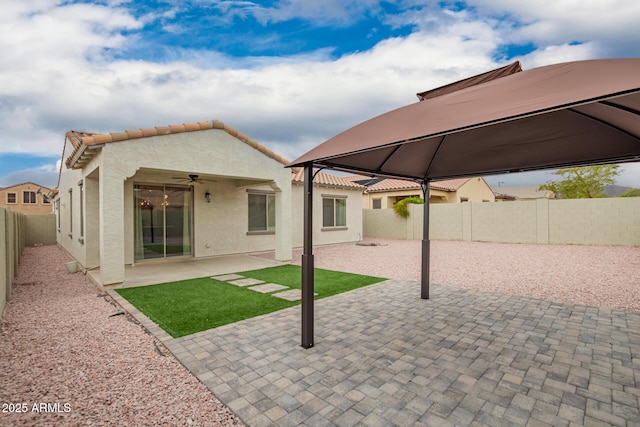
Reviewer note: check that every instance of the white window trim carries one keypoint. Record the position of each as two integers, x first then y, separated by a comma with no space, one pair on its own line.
265,193
334,197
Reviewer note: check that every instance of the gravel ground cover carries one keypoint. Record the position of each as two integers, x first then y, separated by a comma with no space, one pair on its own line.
63,351
604,276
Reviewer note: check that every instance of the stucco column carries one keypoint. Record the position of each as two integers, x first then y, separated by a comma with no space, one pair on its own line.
111,224
283,220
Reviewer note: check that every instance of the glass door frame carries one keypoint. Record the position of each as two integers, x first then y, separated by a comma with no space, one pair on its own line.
164,186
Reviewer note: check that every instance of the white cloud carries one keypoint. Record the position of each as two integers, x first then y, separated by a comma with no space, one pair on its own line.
57,70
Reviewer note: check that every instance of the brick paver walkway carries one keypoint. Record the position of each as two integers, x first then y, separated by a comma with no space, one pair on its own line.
383,356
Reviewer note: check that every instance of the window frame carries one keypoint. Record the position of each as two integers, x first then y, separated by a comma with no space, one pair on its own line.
33,197
334,219
71,213
15,198
81,193
269,197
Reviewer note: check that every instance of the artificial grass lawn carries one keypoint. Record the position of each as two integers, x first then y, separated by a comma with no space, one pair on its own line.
189,306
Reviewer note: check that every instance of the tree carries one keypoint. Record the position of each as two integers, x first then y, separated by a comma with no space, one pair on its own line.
582,182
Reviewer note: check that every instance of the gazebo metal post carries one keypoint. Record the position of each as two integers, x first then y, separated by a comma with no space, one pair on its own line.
424,278
307,260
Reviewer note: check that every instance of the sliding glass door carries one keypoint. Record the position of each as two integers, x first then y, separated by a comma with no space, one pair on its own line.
162,221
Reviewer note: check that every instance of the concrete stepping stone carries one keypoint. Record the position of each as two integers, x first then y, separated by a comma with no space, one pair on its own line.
292,295
246,282
268,287
226,277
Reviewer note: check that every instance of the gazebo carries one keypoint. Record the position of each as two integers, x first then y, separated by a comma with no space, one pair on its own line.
505,120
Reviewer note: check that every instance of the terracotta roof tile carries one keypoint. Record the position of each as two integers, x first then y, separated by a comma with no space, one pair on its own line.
119,136
149,132
325,180
133,134
81,140
178,128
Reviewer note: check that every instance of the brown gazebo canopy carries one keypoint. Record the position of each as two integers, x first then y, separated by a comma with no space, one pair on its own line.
506,120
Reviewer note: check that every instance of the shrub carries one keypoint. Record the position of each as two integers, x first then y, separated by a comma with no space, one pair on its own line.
401,209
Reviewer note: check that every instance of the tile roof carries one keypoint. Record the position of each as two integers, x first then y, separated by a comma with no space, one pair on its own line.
83,142
325,180
392,184
523,191
42,187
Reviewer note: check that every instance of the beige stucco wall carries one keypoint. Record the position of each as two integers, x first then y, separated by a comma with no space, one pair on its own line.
610,221
606,221
38,208
475,190
354,229
387,198
502,222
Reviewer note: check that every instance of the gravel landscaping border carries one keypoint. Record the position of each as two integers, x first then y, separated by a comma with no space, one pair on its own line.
603,276
70,356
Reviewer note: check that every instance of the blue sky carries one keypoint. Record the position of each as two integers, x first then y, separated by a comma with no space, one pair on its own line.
287,73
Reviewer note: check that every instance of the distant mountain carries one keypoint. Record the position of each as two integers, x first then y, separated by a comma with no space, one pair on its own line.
615,190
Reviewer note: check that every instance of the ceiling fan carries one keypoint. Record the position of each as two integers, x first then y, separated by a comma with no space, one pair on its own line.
192,179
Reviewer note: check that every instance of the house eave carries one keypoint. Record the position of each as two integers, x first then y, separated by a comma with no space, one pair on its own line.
83,156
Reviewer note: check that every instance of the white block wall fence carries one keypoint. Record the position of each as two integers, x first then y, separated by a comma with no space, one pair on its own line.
607,221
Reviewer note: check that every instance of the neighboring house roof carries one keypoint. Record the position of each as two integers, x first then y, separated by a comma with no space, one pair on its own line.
375,185
325,180
523,192
502,196
25,183
83,142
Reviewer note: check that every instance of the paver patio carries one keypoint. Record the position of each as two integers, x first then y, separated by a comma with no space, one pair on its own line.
383,356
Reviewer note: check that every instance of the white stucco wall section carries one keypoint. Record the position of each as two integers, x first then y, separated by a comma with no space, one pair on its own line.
220,226
354,229
68,232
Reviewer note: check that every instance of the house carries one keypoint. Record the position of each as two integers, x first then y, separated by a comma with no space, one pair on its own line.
193,190
523,192
383,193
27,198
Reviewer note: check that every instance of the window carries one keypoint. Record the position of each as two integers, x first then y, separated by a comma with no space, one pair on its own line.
45,200
377,203
334,211
11,198
464,199
262,212
80,184
71,212
29,197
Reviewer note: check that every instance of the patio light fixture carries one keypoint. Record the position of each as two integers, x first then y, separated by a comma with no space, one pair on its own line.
207,197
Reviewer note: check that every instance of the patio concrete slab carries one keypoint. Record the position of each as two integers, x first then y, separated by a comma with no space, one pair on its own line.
383,356
292,295
268,287
226,277
173,269
246,282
